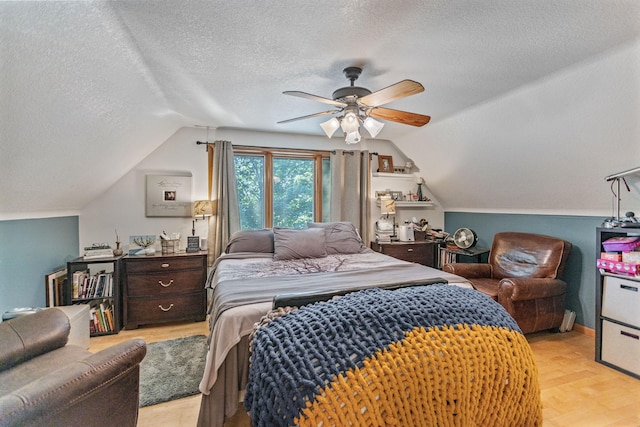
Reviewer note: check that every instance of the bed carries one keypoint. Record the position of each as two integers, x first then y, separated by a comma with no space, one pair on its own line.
258,265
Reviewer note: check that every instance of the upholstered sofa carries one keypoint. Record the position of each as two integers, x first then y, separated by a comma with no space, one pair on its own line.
524,274
44,382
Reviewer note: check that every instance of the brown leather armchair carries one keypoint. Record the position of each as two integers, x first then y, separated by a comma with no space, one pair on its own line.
44,382
524,275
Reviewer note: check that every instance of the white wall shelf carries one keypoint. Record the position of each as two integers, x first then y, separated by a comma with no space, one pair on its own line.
411,204
394,175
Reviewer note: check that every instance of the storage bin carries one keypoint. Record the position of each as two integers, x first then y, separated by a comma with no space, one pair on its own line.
621,346
621,243
170,246
621,299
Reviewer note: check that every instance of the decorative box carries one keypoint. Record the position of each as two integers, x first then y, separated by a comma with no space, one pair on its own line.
611,256
625,268
621,243
631,257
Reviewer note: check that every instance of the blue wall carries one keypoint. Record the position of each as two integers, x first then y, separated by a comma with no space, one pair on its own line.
30,249
580,273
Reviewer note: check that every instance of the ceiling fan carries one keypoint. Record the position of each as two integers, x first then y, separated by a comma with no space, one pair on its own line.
360,105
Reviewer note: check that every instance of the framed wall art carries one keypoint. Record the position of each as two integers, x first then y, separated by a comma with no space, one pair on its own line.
168,195
385,164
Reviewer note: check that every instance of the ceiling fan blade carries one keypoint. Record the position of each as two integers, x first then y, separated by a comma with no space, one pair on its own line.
324,113
391,93
315,98
403,117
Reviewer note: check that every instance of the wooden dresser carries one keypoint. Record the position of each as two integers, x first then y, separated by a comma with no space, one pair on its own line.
164,288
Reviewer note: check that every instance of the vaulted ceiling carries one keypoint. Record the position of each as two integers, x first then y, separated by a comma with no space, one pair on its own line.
88,89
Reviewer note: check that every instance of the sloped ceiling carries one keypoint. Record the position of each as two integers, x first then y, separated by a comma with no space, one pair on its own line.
88,89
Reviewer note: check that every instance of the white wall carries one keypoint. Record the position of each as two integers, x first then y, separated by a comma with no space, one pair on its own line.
544,148
122,206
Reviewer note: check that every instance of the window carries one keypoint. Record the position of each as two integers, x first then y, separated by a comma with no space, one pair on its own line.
282,188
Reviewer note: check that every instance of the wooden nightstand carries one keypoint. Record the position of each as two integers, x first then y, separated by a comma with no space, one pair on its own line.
164,288
422,252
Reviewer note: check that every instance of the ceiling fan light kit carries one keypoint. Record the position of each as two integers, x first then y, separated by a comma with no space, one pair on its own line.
358,105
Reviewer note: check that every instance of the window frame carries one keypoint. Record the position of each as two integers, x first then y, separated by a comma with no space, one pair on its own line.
269,154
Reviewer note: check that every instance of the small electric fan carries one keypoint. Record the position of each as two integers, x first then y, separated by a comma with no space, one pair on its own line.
465,238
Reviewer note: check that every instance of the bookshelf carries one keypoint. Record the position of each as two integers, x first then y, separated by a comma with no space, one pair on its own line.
449,255
96,282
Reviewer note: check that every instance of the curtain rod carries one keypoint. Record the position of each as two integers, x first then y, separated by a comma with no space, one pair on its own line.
279,148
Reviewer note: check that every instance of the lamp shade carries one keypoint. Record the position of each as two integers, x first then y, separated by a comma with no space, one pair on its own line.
202,208
387,206
330,126
353,137
350,122
372,126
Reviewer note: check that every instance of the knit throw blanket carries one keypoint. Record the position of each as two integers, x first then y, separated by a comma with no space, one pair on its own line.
435,355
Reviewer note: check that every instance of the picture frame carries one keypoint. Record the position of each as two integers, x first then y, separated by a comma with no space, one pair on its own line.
168,196
54,287
138,244
397,196
382,194
385,164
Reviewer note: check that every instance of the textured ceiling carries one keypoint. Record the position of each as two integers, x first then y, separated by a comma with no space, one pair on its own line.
112,80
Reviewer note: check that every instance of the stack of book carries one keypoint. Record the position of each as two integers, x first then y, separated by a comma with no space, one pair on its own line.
97,251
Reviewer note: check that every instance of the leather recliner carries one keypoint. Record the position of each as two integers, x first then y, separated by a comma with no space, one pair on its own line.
44,382
523,274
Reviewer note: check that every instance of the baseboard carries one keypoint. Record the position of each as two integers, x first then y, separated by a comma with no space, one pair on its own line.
584,330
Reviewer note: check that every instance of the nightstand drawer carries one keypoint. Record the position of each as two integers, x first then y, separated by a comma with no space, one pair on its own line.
418,252
164,283
163,264
621,299
168,308
409,253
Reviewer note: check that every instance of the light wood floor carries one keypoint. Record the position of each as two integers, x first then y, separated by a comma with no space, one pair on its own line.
576,391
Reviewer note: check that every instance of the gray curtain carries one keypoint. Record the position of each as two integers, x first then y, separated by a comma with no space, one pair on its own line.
350,171
222,185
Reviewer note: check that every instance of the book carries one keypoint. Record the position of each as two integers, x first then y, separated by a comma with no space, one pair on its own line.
78,280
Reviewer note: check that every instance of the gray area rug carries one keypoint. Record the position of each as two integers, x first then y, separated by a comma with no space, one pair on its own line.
172,369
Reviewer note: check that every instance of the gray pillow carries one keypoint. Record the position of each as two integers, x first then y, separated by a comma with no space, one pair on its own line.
251,241
341,237
292,243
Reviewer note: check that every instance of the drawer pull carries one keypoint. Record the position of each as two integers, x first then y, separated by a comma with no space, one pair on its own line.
629,288
410,250
165,309
163,285
164,265
630,335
